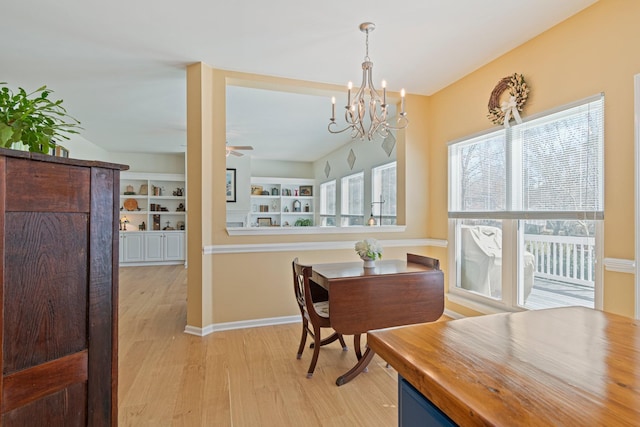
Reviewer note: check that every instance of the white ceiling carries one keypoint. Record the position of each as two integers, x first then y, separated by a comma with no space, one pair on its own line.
120,65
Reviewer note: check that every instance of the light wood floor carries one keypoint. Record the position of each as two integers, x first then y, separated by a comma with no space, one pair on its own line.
241,378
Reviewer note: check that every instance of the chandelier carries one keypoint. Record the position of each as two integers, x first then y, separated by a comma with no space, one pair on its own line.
356,108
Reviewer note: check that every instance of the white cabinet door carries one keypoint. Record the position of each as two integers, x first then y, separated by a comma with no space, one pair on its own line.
154,246
174,246
151,246
132,247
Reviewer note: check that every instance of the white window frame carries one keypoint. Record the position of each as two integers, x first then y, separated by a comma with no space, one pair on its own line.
510,256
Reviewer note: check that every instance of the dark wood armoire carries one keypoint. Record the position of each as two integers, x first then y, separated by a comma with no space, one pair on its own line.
59,293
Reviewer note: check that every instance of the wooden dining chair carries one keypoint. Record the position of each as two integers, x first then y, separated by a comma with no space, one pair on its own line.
315,315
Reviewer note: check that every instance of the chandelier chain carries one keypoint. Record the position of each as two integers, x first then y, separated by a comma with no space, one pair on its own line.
366,56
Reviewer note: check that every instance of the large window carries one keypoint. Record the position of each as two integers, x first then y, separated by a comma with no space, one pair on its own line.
328,203
352,200
526,205
383,193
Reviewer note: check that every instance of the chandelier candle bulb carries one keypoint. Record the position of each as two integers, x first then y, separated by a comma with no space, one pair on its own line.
333,108
384,93
349,86
402,93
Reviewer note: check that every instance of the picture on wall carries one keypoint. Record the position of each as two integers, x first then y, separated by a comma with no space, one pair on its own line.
231,185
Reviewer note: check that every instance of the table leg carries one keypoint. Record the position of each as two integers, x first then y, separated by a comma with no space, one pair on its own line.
356,346
359,367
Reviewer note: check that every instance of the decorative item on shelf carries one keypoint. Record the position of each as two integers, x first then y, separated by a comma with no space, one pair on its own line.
306,190
123,223
144,190
306,207
156,222
296,204
303,222
265,193
501,111
355,110
157,191
264,222
168,226
33,121
131,205
286,209
180,207
369,250
180,225
256,190
275,191
142,227
129,191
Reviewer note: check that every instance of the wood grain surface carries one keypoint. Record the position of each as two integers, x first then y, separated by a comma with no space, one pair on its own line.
566,366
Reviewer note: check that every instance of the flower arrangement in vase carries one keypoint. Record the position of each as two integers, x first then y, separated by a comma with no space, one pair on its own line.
369,250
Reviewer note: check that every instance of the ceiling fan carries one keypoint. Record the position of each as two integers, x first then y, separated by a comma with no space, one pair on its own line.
235,149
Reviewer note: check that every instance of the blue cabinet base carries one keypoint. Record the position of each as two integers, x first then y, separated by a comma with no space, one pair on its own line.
414,410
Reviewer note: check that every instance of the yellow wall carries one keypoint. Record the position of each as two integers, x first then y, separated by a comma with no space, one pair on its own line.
594,51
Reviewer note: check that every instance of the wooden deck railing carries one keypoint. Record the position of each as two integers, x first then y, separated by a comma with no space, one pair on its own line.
569,259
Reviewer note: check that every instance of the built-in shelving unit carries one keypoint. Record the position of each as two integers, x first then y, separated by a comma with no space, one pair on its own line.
282,202
153,218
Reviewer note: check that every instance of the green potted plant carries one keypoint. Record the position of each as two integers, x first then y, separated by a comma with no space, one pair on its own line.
33,119
306,222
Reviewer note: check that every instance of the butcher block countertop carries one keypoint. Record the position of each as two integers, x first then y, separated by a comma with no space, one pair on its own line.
562,366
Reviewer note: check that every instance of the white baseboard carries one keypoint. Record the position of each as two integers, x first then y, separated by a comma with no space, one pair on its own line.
242,324
217,327
453,314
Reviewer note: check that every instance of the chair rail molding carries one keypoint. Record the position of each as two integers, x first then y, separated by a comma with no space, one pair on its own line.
311,246
620,265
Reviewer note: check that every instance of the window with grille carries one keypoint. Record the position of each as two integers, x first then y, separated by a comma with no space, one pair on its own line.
526,204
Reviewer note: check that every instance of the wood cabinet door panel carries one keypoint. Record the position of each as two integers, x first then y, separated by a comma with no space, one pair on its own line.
66,408
46,187
45,292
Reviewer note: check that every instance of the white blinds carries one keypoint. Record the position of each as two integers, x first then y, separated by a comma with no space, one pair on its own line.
550,166
352,189
328,198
